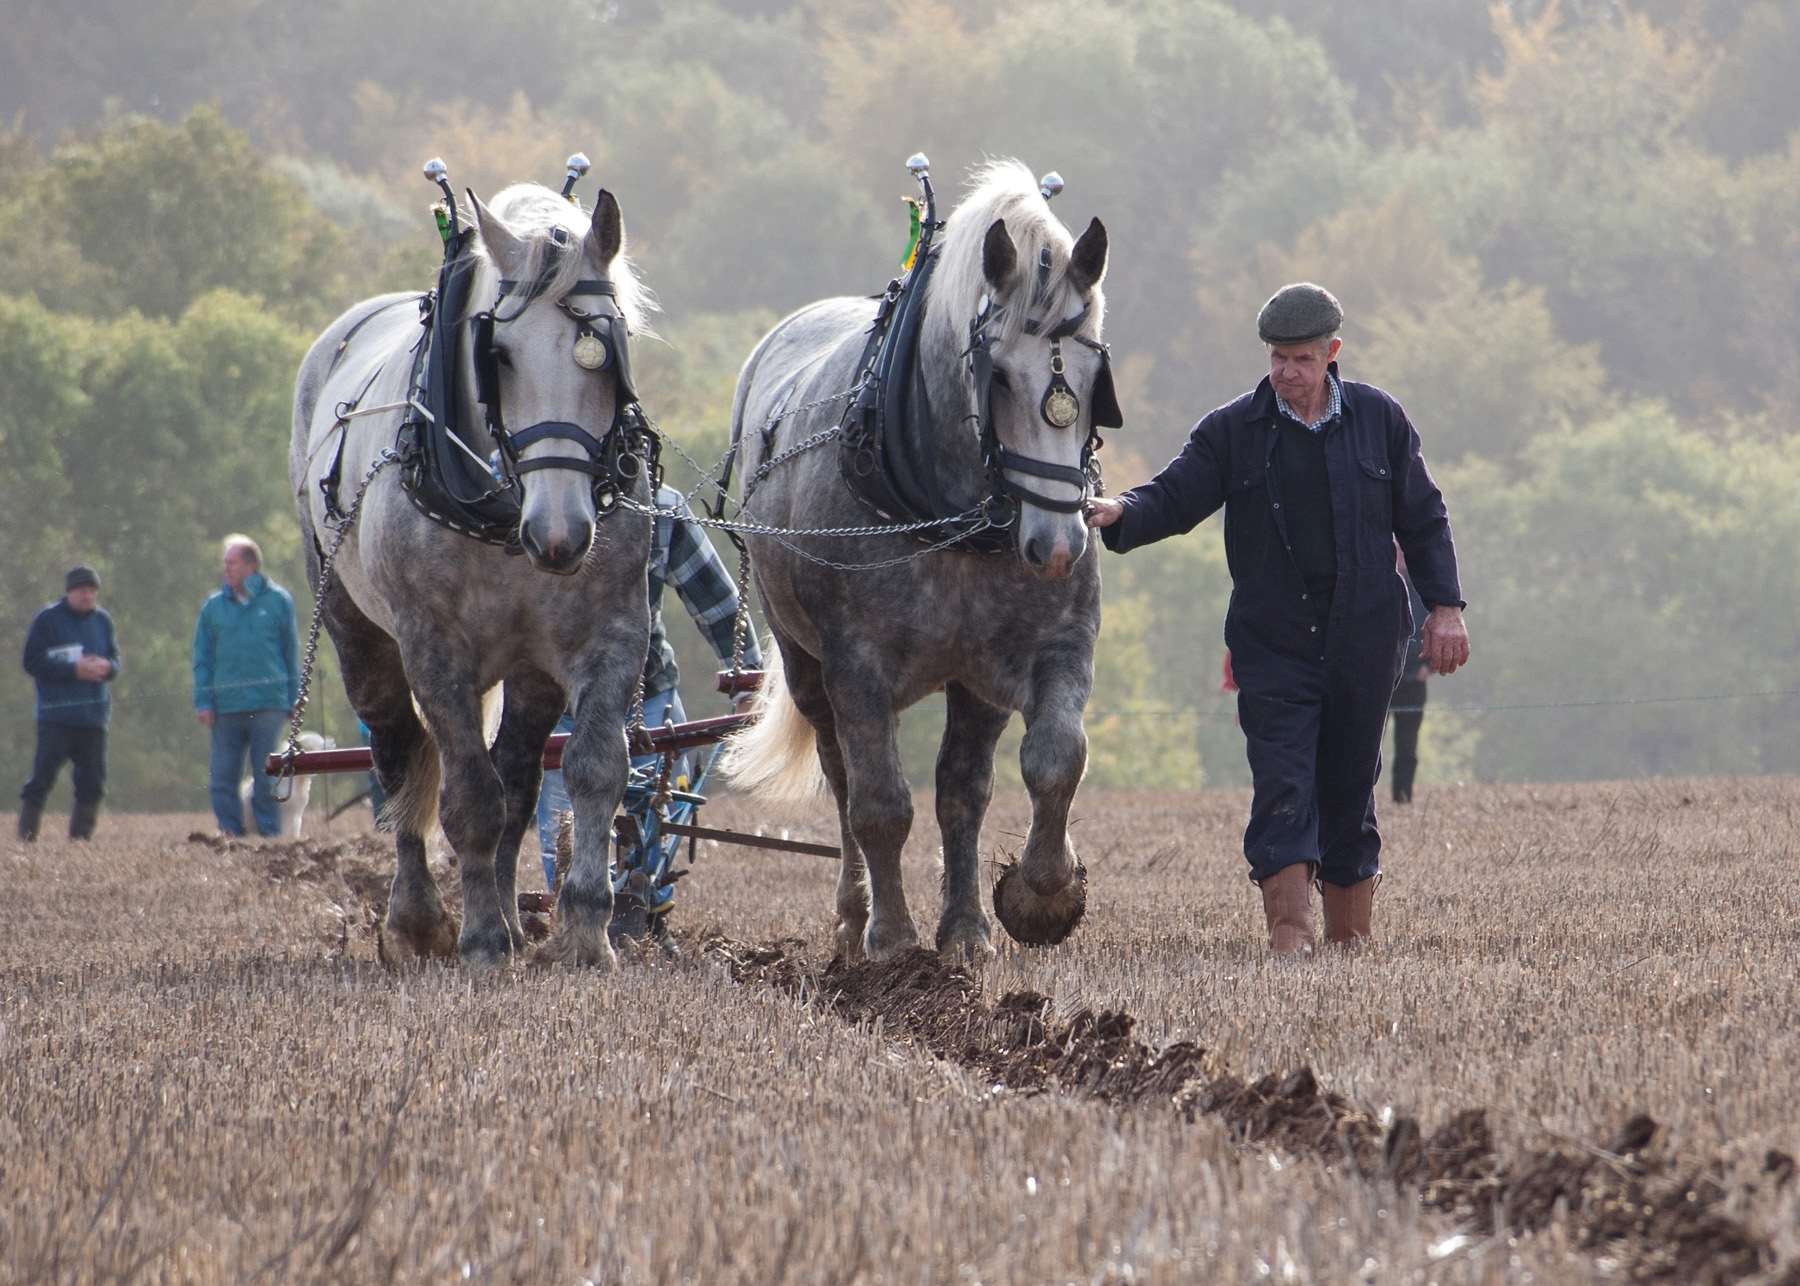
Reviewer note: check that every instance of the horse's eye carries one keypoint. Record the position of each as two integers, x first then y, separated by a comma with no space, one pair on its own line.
1001,380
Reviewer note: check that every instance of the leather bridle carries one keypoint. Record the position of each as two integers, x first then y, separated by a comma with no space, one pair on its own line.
601,345
1059,407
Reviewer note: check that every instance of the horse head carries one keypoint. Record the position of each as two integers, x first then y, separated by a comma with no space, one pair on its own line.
552,351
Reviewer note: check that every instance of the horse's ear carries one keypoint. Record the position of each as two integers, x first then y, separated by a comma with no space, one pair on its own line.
999,257
606,234
1087,261
503,247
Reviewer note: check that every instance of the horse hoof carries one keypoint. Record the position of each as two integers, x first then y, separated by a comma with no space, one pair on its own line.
488,950
582,951
965,941
415,939
850,940
1033,919
881,943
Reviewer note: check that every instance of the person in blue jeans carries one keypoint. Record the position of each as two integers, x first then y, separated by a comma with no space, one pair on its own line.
246,681
682,559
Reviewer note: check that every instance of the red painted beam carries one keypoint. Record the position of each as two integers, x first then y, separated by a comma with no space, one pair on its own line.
649,741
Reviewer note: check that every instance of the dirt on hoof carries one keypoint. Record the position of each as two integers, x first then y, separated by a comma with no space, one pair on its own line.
1663,1216
1032,919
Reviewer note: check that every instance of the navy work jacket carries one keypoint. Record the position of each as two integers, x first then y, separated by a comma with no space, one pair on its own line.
58,635
1380,491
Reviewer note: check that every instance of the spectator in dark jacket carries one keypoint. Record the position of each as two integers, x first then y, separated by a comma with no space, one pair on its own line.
246,681
71,652
1318,477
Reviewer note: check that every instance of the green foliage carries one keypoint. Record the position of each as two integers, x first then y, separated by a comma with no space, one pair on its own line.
147,441
1632,559
1564,234
152,216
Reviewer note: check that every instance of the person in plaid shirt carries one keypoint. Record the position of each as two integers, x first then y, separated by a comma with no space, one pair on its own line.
682,559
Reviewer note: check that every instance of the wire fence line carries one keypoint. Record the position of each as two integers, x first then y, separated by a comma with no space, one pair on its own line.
1698,698
136,696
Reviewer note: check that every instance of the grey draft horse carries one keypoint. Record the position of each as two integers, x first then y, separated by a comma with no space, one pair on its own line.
421,613
994,632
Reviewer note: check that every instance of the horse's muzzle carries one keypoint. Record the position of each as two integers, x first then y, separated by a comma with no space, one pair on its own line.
560,553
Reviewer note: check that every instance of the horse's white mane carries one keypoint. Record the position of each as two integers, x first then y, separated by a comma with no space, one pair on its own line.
1006,189
530,211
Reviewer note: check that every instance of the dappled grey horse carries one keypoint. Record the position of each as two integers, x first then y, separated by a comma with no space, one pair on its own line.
552,606
1010,333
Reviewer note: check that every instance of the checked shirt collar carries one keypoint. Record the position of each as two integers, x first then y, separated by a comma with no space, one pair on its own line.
1332,410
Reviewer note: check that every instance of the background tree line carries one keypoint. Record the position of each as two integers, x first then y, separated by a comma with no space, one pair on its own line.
1564,234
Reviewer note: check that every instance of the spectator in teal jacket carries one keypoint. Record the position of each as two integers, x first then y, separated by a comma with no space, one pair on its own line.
246,681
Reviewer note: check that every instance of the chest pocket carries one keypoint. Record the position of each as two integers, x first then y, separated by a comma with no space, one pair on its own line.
1249,525
1378,493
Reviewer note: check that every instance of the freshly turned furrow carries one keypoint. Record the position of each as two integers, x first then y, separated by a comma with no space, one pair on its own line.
1660,1215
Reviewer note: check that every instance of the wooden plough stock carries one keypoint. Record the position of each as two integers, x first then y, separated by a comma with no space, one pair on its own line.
668,738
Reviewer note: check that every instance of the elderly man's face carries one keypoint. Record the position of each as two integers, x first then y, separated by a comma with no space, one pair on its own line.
1298,370
237,568
82,599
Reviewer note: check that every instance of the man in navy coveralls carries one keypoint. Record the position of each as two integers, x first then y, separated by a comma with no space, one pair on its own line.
1318,476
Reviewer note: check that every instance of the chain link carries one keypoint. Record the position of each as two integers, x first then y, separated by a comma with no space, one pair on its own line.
342,527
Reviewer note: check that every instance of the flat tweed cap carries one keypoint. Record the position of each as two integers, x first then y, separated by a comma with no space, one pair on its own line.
79,576
1298,313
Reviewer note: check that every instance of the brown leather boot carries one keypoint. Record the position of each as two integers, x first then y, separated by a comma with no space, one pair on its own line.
1350,911
1287,903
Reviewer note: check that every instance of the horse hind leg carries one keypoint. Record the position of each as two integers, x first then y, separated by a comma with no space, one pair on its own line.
878,806
965,785
406,764
806,689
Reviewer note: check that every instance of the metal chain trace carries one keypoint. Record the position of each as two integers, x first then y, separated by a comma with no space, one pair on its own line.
297,718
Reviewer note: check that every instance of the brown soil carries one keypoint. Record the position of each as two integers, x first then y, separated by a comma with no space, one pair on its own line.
1662,1216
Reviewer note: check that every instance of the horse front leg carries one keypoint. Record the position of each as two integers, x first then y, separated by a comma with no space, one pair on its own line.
471,807
878,807
1041,899
534,702
965,785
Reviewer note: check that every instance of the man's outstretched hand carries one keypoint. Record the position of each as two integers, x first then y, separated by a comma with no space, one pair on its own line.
1104,511
1445,646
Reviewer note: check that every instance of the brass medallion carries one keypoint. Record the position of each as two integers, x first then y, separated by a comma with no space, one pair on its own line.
590,353
1061,407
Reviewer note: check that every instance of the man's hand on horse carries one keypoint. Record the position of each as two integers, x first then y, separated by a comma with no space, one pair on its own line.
1446,640
1104,511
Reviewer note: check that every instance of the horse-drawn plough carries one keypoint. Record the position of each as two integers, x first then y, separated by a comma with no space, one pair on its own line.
660,809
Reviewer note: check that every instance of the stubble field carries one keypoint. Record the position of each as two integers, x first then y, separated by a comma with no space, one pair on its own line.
1571,1057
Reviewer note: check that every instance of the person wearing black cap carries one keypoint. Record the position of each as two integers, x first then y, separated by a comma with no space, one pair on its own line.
1319,476
71,652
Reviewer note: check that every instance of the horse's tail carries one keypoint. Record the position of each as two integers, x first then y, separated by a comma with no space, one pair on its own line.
776,757
412,810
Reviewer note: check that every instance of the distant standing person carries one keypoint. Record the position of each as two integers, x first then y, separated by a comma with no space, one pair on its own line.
1318,476
71,652
246,681
1408,704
